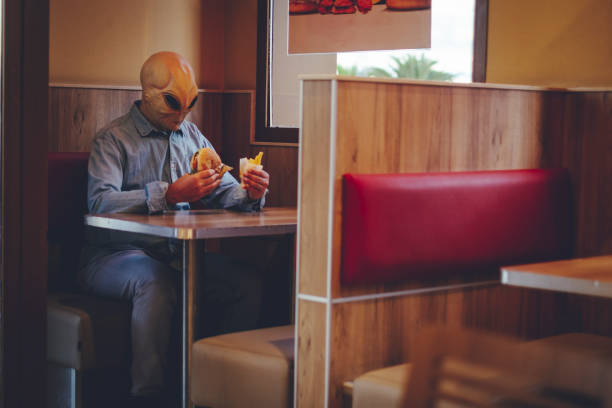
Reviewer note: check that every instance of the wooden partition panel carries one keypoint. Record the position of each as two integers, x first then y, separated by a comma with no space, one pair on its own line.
310,391
403,126
392,128
316,145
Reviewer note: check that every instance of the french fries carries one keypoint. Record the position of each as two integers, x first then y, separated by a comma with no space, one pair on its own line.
247,164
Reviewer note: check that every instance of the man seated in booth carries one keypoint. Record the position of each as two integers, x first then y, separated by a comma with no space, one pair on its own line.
140,163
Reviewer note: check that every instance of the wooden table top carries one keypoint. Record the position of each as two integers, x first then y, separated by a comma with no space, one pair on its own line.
201,224
585,276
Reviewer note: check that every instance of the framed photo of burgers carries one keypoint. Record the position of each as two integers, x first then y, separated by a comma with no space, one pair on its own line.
326,26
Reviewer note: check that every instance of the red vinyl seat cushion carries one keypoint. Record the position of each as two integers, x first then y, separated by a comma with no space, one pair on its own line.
400,227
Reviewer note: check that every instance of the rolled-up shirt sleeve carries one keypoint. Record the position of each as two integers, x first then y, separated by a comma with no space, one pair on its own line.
105,195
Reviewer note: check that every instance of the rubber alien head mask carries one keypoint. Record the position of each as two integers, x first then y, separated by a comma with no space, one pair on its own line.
169,91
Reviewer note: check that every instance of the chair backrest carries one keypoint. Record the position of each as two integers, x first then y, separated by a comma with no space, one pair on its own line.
462,368
67,177
401,227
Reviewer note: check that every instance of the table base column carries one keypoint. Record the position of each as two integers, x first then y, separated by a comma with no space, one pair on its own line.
193,261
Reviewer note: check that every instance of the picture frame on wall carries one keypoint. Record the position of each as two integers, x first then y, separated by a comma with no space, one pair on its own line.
329,26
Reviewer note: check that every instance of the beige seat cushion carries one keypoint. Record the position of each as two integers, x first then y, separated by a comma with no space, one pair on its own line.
245,369
384,387
84,332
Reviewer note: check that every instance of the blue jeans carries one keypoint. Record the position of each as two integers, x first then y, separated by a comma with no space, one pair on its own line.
230,300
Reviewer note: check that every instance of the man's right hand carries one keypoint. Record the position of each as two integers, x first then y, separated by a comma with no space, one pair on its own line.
192,187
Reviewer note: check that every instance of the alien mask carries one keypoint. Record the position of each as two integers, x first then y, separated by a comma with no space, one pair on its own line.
169,91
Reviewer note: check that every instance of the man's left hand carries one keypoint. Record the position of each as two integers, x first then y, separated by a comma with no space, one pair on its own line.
256,183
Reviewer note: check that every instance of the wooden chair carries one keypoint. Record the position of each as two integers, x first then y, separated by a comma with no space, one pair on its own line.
458,368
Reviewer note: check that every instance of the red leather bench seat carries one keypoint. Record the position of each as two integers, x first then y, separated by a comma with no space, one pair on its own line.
401,227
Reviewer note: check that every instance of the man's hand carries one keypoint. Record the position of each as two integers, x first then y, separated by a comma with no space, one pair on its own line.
192,187
256,182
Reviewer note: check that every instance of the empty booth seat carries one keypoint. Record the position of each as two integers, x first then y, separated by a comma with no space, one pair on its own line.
85,332
382,388
245,369
435,226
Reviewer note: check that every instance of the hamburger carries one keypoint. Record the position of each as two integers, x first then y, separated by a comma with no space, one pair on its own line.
207,159
302,7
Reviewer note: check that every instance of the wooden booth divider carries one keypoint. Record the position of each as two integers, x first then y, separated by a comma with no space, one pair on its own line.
352,125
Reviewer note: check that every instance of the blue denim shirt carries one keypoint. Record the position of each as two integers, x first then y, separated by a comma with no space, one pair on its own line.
132,163
130,167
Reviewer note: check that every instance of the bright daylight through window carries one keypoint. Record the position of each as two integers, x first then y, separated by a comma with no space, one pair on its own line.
448,59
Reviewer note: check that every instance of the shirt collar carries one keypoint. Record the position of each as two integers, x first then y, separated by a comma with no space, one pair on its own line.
144,127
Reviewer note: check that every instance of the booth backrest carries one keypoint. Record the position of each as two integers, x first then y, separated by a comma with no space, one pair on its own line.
400,227
67,176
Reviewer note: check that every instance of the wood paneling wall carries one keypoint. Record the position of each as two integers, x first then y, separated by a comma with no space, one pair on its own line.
77,113
395,126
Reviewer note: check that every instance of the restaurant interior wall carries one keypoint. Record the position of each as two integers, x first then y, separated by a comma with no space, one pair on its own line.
240,31
107,42
563,43
560,43
91,43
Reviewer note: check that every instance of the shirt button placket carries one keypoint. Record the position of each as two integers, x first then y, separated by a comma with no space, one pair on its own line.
173,171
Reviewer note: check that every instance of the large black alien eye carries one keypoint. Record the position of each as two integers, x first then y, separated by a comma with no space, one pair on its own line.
172,102
193,102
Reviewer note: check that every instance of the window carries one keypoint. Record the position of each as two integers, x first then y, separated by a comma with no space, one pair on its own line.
448,59
278,124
